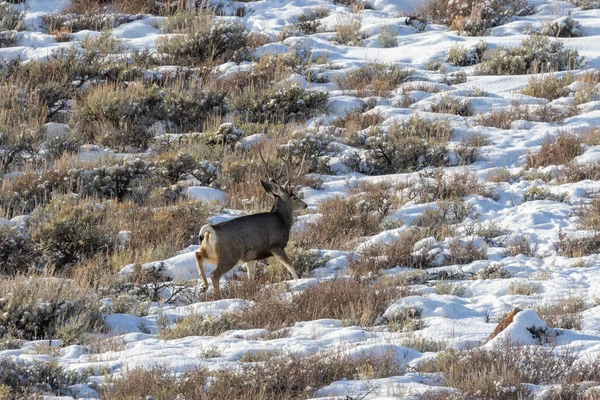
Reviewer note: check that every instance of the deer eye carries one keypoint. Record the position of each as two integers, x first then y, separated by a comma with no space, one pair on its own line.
294,198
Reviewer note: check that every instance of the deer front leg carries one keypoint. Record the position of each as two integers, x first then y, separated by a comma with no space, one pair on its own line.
280,256
201,271
251,268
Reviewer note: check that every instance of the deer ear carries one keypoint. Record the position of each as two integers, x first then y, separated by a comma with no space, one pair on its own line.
269,187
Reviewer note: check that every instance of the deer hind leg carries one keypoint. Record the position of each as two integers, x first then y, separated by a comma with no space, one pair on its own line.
251,268
279,254
201,269
223,266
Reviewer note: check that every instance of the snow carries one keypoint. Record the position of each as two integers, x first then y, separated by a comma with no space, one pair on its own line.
459,322
206,194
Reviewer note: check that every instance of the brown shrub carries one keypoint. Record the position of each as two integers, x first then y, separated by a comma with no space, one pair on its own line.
563,314
373,79
521,245
503,118
350,300
504,372
440,185
465,253
400,253
285,376
549,87
342,221
561,150
158,383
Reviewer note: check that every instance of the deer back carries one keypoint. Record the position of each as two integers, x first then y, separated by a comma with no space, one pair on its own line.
252,237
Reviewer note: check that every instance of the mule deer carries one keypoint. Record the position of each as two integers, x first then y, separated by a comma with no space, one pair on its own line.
252,237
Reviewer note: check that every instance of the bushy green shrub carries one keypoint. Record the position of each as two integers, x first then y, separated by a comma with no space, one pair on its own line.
39,378
17,253
65,233
460,56
83,22
118,118
562,27
481,15
549,87
536,54
404,147
284,104
225,41
189,107
388,36
36,308
314,149
8,38
10,18
451,105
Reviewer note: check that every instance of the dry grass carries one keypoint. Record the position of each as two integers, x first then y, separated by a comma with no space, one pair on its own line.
559,151
503,118
442,185
347,30
549,87
373,79
521,245
562,314
342,222
504,372
353,301
523,288
285,376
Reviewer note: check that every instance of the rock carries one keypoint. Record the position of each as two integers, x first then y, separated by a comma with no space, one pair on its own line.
504,323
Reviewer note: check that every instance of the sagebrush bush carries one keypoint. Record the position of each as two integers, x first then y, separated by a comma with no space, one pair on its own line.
376,79
540,193
347,30
17,252
284,376
24,379
11,19
549,87
8,38
562,27
504,372
88,21
451,105
486,14
562,314
400,253
461,56
560,150
118,117
224,41
285,104
404,147
65,233
36,308
536,54
388,36
123,116
503,119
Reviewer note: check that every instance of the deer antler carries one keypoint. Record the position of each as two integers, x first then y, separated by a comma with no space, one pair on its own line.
266,164
291,178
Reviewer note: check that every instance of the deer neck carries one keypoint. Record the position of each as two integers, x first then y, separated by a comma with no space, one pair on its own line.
284,211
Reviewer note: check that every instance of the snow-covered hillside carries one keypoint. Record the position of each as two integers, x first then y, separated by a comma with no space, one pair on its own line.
449,183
